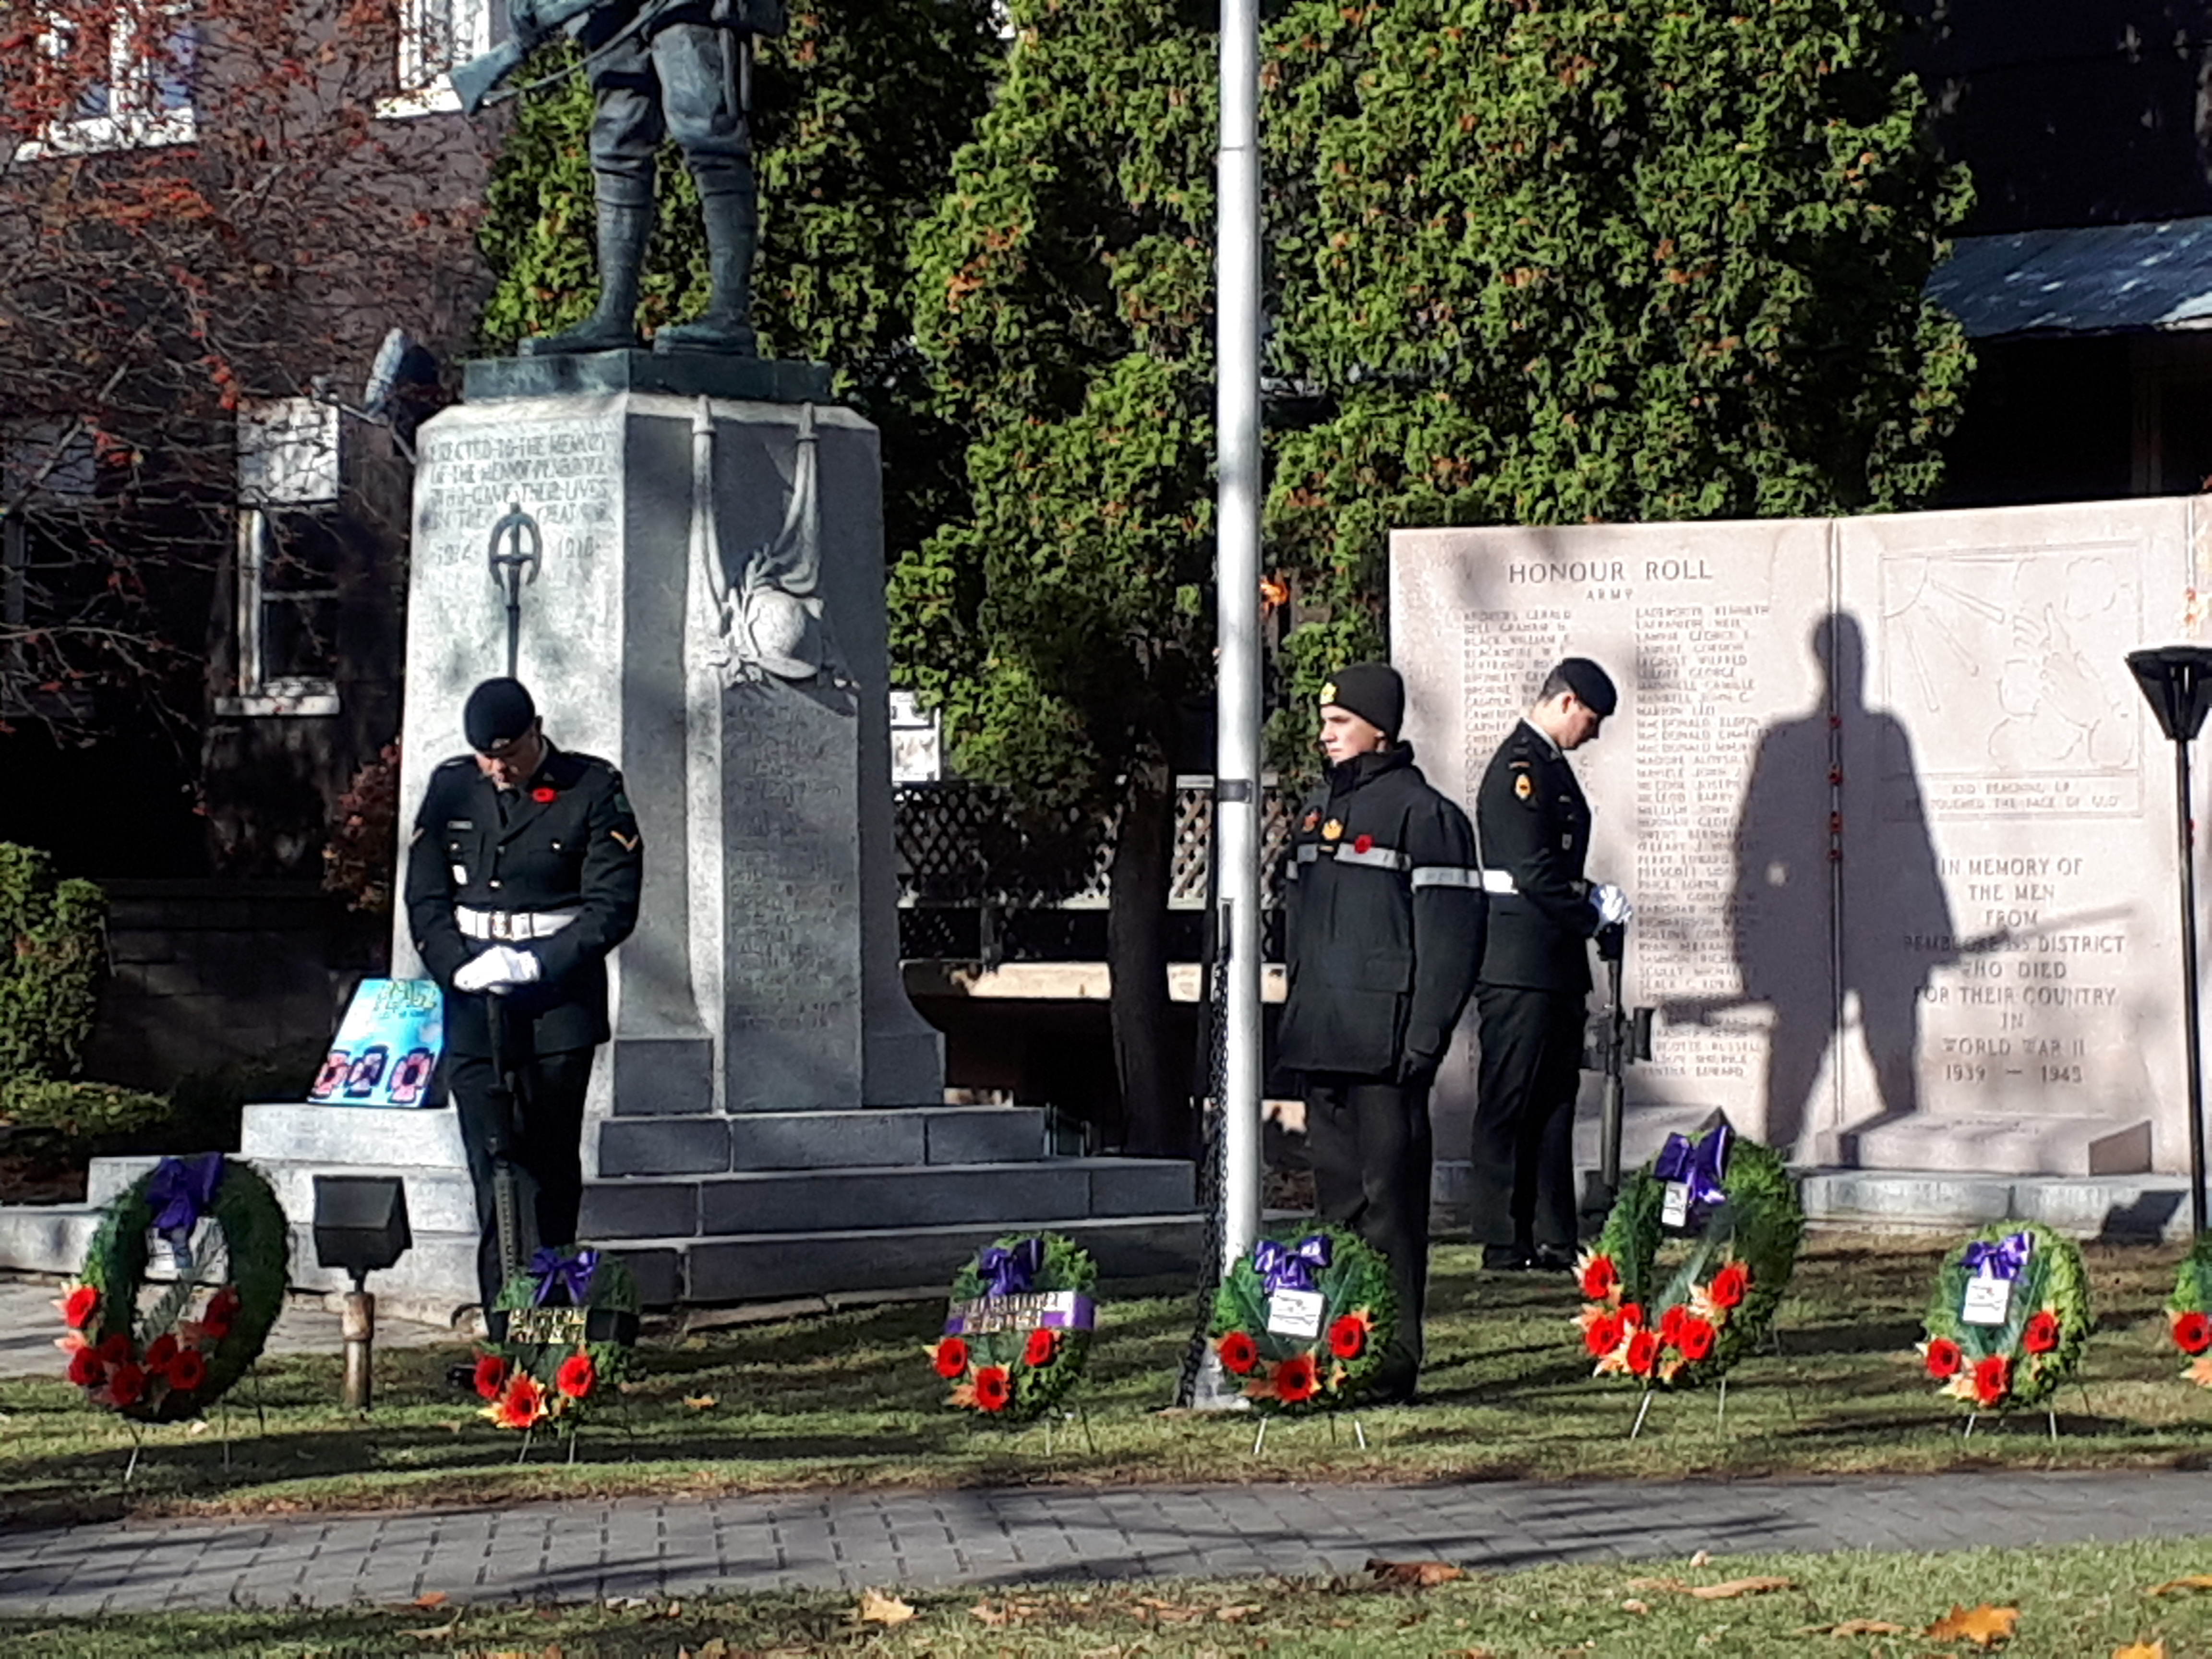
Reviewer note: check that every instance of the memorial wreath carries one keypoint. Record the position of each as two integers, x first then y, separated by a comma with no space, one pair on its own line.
561,1334
2189,1315
2008,1316
1304,1326
1019,1328
228,1242
1681,1318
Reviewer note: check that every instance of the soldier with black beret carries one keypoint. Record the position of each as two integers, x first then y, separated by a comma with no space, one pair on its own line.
1534,827
522,874
1384,931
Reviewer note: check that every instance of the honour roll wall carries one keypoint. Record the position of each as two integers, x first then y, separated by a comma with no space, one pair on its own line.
1897,825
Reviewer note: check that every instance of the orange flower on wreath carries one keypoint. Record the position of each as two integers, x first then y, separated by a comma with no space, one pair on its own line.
522,1405
950,1357
1295,1379
1347,1337
994,1389
1992,1379
1600,1280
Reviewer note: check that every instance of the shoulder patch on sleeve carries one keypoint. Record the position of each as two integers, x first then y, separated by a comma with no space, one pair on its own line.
1522,788
629,844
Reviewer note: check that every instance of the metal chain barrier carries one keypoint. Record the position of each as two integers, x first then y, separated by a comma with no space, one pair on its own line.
1209,1162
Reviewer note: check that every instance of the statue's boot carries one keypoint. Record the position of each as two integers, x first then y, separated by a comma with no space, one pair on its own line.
733,233
613,325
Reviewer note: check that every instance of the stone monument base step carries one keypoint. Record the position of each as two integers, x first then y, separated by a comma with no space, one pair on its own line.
2009,1144
2133,1207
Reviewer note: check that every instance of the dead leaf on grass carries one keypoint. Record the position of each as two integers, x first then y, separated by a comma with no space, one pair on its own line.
1702,1559
984,1613
429,1599
1726,1590
1420,1575
877,1608
437,1633
1856,1627
2141,1651
1984,1625
1237,1613
701,1402
1632,1605
2195,1581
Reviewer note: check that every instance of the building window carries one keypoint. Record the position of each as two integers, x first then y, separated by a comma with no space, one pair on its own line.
434,35
51,578
290,549
140,94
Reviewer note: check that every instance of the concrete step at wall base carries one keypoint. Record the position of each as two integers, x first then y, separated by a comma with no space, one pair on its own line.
814,1200
46,1238
2011,1145
351,1134
900,1138
2132,1208
438,1200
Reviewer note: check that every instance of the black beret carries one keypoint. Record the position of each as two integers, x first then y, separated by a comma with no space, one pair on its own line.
1592,686
1372,690
496,714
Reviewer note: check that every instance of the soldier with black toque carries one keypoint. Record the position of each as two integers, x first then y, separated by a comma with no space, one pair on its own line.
1384,931
522,875
1534,828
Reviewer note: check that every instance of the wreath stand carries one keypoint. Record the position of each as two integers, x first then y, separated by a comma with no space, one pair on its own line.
1358,1429
1720,1416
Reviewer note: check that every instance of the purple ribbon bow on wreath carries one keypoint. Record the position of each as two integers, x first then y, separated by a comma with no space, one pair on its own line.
570,1274
1698,1166
1283,1268
2002,1260
180,1193
1008,1272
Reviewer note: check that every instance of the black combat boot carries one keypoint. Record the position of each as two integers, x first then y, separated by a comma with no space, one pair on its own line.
613,325
733,233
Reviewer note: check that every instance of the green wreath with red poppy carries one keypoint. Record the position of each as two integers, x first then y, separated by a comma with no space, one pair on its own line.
564,1331
2189,1315
177,1356
1684,1321
1019,1328
1281,1371
2021,1361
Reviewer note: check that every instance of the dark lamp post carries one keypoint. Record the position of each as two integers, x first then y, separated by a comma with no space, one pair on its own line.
361,1227
2177,682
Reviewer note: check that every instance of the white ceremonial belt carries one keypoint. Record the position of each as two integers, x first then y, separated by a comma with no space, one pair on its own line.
1446,875
1381,858
511,924
1499,881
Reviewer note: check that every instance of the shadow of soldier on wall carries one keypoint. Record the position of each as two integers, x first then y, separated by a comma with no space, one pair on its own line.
1814,918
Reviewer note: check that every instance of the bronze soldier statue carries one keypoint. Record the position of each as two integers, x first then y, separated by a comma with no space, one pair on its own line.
657,69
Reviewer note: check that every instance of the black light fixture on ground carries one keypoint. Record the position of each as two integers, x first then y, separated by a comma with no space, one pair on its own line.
361,1227
2177,681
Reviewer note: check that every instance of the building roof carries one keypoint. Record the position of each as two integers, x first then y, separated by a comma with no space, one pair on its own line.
2098,279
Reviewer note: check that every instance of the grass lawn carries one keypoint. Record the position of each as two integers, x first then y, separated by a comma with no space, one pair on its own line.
2082,1602
849,1399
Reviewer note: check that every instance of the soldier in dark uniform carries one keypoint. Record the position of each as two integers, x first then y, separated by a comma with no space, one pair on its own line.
522,875
1383,931
1534,828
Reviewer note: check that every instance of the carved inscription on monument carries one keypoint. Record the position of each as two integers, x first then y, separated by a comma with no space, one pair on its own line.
565,476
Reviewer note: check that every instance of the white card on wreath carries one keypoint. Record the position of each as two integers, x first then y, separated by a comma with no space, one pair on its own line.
1295,1313
1675,1206
1987,1302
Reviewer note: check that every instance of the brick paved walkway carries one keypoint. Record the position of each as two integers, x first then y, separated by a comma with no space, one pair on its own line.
571,1552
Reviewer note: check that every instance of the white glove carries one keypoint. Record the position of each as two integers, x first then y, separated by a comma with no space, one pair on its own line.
498,969
1614,908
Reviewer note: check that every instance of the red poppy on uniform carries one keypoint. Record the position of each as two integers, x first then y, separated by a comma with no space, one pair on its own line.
1363,843
544,794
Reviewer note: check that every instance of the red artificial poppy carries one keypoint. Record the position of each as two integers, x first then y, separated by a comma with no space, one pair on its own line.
1039,1348
1347,1337
85,1369
993,1388
1295,1379
161,1352
1602,1335
126,1384
577,1376
1642,1352
951,1357
78,1307
114,1350
1363,843
523,1403
1631,1314
544,794
1670,1325
221,1309
1695,1338
2192,1333
1601,1279
1239,1353
1992,1379
1729,1286
2041,1335
1944,1359
187,1370
491,1375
